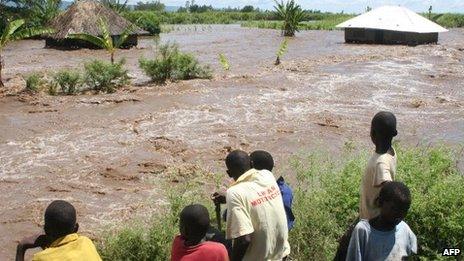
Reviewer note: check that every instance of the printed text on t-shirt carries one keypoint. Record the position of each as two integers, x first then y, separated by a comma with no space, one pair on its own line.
266,195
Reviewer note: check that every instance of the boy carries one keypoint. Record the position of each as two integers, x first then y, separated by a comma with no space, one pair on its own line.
387,236
381,168
191,244
262,160
60,241
256,218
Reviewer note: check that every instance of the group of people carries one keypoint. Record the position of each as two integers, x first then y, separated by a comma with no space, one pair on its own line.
259,215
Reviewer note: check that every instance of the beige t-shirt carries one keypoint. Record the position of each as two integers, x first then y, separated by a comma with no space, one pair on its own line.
255,206
381,168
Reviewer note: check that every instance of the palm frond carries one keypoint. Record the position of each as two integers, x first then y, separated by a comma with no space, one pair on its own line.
89,38
31,32
106,35
10,30
123,37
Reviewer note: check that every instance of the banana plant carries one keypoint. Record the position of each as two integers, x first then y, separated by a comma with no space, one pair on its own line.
282,50
106,40
292,15
14,32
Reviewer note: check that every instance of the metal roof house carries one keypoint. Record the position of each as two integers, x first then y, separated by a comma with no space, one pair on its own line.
391,25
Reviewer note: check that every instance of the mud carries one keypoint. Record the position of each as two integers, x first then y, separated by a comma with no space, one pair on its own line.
113,155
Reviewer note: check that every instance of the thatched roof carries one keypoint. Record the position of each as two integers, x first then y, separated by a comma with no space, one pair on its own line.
83,17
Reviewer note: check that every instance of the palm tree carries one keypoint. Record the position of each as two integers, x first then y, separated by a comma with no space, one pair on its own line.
105,41
292,14
12,33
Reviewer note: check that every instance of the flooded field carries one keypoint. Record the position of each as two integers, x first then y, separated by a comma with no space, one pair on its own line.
106,153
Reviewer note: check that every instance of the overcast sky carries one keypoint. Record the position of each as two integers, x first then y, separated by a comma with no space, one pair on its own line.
335,5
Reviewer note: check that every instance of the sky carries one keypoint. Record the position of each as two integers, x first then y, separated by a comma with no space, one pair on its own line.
348,6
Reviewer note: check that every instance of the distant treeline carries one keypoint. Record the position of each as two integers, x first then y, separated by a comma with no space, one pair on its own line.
149,15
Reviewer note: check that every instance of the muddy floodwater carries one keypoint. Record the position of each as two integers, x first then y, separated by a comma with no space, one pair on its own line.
106,153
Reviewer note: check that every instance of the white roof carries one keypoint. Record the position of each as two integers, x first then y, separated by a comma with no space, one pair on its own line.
393,18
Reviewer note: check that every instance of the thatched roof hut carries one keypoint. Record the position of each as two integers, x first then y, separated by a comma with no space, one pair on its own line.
83,17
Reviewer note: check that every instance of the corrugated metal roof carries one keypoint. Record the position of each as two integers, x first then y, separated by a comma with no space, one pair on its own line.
394,18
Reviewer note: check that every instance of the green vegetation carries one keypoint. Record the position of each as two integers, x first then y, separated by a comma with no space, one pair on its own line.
282,50
328,22
171,64
291,14
117,5
449,20
34,82
224,62
105,77
13,32
148,21
326,202
69,81
106,41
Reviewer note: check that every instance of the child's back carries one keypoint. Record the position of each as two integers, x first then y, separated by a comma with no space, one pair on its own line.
206,251
371,244
70,247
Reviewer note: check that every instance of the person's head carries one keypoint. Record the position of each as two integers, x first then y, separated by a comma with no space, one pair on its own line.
261,159
394,201
237,162
60,219
194,223
383,127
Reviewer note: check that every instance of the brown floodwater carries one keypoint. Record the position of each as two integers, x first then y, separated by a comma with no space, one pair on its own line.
106,153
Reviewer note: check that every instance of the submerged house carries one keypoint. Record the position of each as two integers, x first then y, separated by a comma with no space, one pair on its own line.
83,17
391,25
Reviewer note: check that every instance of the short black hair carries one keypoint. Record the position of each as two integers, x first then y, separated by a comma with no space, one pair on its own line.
384,123
60,218
195,221
261,159
238,161
396,192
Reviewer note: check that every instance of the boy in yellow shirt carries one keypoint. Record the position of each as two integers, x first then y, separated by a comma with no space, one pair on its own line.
60,241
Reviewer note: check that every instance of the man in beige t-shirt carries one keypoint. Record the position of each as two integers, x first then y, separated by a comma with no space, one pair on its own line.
382,165
256,218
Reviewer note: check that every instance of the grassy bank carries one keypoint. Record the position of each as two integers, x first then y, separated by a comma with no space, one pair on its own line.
328,23
326,202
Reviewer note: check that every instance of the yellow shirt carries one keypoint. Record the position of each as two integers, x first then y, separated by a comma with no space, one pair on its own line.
69,248
381,168
255,206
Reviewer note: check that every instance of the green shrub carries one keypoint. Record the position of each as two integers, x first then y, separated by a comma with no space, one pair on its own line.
104,76
52,88
69,81
450,20
148,21
34,82
172,64
327,199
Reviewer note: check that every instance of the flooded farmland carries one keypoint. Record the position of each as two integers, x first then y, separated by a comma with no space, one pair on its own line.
103,153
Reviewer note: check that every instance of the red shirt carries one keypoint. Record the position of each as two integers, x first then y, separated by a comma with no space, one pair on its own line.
206,251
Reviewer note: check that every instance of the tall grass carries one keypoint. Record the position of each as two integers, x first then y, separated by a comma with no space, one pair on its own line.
326,202
327,23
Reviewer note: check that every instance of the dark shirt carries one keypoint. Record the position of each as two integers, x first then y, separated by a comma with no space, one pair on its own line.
287,196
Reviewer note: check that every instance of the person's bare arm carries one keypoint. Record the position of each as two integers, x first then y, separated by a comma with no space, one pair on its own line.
240,247
39,240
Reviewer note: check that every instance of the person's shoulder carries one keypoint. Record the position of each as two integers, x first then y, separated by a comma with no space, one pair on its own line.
213,246
363,225
404,227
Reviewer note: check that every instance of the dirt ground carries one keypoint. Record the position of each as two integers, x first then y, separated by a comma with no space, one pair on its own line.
106,153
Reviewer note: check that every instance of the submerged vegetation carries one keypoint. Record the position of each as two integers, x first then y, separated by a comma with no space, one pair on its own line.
106,40
172,64
106,77
291,14
14,31
325,204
